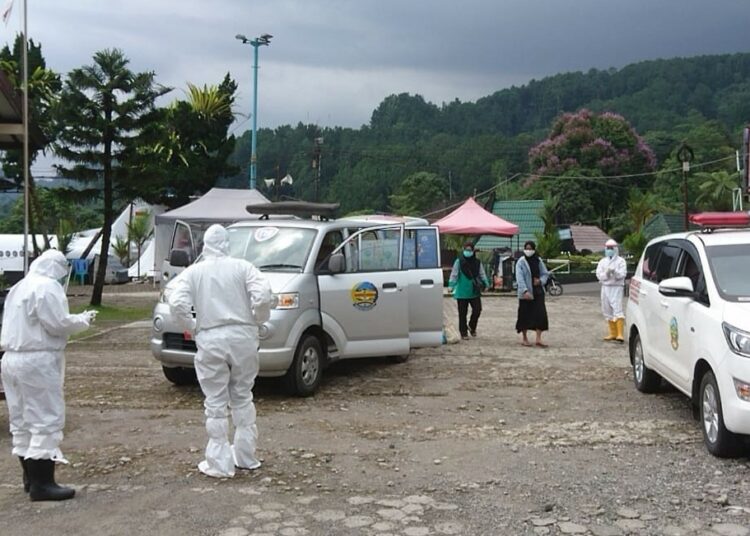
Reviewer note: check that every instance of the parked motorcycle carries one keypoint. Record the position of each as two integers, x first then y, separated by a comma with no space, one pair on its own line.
553,286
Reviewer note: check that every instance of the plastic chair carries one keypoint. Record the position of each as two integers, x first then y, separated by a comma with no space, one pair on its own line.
80,269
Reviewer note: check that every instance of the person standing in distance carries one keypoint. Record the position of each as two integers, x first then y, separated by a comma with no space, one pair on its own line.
231,298
36,325
467,280
611,273
531,276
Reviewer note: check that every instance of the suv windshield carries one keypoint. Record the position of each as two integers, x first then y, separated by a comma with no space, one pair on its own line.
276,249
727,263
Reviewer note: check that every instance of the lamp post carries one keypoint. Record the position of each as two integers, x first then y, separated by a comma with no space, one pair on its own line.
685,155
264,39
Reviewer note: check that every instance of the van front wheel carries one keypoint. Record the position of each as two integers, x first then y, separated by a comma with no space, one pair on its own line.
718,440
303,377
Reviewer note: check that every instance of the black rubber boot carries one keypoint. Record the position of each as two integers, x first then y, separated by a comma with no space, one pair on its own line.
25,475
42,482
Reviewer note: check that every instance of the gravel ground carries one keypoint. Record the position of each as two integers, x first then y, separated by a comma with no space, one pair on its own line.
481,437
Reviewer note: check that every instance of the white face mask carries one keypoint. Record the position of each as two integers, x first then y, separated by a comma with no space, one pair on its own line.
529,252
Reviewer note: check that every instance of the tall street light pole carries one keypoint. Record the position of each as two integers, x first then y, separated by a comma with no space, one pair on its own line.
263,40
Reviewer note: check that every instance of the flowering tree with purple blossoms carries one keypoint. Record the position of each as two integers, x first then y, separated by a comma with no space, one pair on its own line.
588,144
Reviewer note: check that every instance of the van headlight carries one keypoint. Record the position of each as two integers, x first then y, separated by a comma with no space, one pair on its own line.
287,300
738,340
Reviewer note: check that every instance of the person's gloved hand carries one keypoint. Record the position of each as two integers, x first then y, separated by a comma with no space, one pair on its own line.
90,315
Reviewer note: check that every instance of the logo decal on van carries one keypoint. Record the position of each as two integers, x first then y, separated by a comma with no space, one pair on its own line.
674,334
364,296
265,233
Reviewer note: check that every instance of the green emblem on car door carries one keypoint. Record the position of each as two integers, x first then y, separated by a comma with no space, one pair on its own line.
674,334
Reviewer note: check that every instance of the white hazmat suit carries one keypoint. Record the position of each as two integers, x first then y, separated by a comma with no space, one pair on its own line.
231,299
36,325
611,273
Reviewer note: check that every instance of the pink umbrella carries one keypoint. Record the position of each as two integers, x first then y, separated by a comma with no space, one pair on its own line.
471,219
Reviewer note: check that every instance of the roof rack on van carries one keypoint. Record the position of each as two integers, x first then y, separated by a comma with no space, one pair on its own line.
709,221
301,209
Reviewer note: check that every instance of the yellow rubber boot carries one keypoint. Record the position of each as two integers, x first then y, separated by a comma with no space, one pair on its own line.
620,325
612,331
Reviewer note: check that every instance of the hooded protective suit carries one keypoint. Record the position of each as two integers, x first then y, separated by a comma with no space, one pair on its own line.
231,299
611,273
36,325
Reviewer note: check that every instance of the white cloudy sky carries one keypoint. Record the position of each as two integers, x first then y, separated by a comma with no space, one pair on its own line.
332,62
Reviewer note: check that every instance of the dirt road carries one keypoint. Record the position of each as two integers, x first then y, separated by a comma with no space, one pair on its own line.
482,437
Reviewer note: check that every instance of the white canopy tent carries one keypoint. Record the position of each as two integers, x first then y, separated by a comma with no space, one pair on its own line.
218,205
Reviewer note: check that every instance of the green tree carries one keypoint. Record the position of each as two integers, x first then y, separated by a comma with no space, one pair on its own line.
587,144
186,150
419,193
548,241
716,190
102,111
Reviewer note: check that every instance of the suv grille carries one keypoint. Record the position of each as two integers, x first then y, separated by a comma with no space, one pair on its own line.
175,341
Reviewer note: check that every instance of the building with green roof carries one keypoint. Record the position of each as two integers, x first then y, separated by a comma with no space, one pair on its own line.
663,224
523,213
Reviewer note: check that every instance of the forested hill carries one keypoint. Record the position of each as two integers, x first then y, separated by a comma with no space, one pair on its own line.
473,145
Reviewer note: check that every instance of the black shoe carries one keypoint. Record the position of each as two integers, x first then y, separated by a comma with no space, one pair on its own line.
473,332
25,475
464,336
42,479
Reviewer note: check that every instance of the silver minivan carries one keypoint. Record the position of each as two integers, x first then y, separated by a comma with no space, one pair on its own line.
352,287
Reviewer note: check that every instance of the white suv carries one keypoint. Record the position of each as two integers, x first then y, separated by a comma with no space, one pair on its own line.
688,322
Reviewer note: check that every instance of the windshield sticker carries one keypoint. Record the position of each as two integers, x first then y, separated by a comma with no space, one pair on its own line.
674,334
364,296
265,233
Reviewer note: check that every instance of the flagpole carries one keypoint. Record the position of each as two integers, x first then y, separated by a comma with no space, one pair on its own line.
25,140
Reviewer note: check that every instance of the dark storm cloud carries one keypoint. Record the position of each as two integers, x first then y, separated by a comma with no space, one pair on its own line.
333,61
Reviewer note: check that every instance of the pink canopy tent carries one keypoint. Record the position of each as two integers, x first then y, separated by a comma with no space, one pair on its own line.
471,219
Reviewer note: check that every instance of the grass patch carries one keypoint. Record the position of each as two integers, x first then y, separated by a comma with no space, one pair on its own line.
110,314
109,317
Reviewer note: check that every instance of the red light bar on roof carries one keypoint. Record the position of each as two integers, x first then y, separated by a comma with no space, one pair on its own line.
721,219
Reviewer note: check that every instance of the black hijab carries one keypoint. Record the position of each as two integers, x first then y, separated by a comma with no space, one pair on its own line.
534,265
469,265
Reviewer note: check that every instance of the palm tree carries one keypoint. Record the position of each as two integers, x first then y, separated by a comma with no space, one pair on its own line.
138,232
716,189
102,110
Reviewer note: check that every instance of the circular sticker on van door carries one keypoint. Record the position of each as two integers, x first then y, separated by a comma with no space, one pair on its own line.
364,296
674,334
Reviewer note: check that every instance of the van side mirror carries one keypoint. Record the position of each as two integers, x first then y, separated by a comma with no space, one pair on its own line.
179,257
337,263
677,287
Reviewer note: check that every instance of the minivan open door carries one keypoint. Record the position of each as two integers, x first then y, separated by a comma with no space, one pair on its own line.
365,308
421,261
183,243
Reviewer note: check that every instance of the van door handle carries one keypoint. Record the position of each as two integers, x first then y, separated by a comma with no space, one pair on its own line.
664,304
426,282
389,285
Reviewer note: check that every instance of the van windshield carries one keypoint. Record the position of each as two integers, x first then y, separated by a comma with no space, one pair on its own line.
275,249
727,264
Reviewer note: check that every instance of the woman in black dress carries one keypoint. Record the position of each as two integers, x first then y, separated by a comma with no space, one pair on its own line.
531,275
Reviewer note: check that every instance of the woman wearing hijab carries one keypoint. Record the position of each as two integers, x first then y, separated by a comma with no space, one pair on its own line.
467,281
531,276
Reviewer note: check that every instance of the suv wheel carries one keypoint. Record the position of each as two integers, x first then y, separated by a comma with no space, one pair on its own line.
303,377
180,375
645,379
719,441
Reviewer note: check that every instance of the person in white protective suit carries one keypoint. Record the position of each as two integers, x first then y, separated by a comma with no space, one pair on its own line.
36,325
611,272
231,298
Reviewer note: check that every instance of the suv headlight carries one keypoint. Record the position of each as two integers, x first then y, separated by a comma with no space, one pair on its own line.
738,340
287,300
